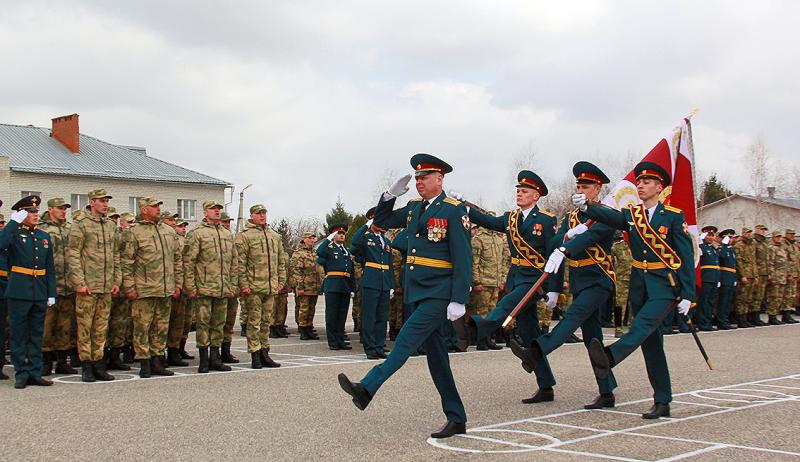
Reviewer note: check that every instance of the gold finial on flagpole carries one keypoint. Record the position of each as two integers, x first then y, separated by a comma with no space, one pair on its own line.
692,113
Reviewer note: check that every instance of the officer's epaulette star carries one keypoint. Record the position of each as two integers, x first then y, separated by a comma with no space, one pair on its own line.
672,209
452,201
545,212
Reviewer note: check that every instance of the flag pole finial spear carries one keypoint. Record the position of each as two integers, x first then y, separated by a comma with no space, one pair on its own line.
692,113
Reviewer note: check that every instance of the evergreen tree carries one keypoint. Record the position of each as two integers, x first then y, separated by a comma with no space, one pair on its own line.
358,220
337,216
713,190
285,232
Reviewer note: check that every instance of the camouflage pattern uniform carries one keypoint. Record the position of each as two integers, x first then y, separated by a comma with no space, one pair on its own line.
305,274
59,320
262,269
487,271
180,312
120,321
760,289
396,302
621,256
745,249
93,261
359,271
778,270
793,270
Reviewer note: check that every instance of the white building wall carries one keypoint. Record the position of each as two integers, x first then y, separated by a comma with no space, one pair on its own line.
738,212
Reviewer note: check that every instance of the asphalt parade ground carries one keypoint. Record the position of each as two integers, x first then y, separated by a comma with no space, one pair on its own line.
747,408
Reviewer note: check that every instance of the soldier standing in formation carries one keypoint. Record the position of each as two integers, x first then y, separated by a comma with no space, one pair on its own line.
762,248
230,313
793,253
179,310
747,272
727,279
210,272
621,254
709,274
94,271
778,269
337,286
120,322
304,277
262,274
488,273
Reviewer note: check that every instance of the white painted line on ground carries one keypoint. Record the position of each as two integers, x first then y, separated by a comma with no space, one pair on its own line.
686,455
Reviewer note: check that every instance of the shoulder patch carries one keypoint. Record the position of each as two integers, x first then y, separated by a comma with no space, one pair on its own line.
672,209
545,212
452,201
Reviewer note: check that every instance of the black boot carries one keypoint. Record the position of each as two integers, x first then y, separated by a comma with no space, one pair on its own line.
61,363
542,395
227,357
788,319
74,359
203,367
741,321
182,350
304,333
756,319
157,368
115,363
773,320
602,400
492,346
273,332
658,410
482,345
47,363
86,372
284,331
313,333
266,361
174,358
215,361
356,325
392,334
255,360
449,429
99,370
144,369
127,354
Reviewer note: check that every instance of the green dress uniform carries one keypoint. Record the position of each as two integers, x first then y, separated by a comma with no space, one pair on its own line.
373,252
709,275
728,281
3,305
663,272
31,282
530,239
337,286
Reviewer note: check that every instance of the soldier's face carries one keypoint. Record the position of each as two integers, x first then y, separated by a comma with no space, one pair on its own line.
761,231
339,237
151,212
32,219
527,197
709,238
747,235
309,241
169,221
2,225
790,237
648,188
777,239
226,224
58,214
591,190
99,205
259,218
124,224
430,185
212,215
181,230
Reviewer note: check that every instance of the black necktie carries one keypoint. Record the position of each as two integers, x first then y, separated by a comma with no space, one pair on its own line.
425,205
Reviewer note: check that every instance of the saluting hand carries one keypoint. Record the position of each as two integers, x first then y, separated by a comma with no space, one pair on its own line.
579,201
400,186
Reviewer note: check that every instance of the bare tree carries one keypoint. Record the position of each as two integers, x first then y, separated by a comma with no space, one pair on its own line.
757,160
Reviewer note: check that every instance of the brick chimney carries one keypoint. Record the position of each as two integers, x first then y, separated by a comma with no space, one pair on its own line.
66,131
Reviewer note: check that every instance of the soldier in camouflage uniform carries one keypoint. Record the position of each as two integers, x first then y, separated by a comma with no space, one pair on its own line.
59,320
120,322
396,317
793,271
745,249
621,255
487,268
280,313
778,270
306,279
152,276
179,331
760,290
230,315
94,272
210,277
356,314
262,274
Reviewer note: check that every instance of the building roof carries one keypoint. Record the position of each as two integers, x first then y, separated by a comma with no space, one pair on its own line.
32,149
783,202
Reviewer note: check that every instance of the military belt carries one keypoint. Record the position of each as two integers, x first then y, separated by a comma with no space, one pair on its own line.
338,273
3,273
431,262
581,263
372,264
520,262
713,267
725,268
646,266
28,271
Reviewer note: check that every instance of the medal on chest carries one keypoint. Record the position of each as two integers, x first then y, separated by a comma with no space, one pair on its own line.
537,229
45,244
437,229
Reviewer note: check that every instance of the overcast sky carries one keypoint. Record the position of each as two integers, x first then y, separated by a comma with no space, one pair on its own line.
310,100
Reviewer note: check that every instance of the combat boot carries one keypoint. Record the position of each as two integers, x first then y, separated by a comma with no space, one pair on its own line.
227,357
203,367
215,361
773,321
86,372
99,370
273,332
304,333
174,358
266,361
115,363
482,345
157,368
127,354
144,369
182,350
757,319
255,360
312,333
788,319
492,346
357,325
47,363
61,363
284,331
74,359
741,321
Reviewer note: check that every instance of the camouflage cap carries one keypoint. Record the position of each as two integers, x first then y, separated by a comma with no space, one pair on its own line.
761,227
98,194
167,214
745,229
212,204
789,231
776,233
58,202
225,217
257,208
148,202
112,212
128,216
309,234
181,223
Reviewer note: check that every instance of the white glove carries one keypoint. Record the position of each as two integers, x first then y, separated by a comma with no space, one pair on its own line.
579,201
455,310
719,284
369,223
703,236
19,216
400,186
391,293
330,237
580,229
552,299
51,301
554,262
726,240
683,307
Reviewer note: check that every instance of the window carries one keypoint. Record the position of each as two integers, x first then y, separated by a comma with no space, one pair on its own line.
79,201
133,205
187,208
24,194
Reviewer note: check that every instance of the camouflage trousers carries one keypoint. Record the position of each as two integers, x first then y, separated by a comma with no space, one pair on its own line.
58,322
621,292
120,325
259,318
356,307
92,312
150,326
210,320
776,295
305,306
790,298
177,321
189,316
396,312
759,294
744,296
281,309
545,314
243,314
230,319
482,302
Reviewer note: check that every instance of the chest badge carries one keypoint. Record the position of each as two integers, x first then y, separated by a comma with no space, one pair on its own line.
537,229
437,229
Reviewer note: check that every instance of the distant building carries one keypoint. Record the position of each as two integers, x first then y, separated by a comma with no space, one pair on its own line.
738,210
62,162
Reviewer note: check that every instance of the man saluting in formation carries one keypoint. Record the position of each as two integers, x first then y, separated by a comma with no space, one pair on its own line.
662,276
436,281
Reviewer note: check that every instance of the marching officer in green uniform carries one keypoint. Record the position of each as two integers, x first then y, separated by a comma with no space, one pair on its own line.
437,282
663,274
31,289
709,275
747,272
591,281
727,279
3,301
530,231
337,286
371,248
